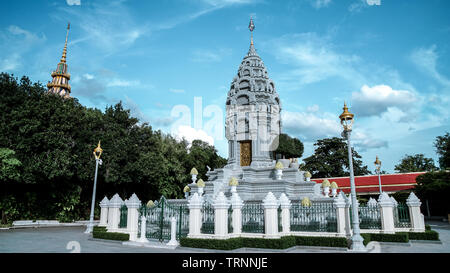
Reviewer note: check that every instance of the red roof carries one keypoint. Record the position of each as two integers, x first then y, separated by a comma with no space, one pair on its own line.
369,184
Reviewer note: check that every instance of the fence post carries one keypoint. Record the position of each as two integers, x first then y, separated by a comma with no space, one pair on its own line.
143,238
236,205
341,207
114,213
221,206
104,204
270,204
195,217
417,220
133,205
173,232
386,213
285,204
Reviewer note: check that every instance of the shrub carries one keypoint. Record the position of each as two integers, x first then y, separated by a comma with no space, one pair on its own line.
399,237
228,244
427,235
321,241
282,243
101,233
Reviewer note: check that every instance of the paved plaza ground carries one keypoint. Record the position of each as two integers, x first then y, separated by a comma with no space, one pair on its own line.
67,239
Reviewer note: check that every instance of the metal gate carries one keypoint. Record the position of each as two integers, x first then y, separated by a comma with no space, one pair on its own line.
159,216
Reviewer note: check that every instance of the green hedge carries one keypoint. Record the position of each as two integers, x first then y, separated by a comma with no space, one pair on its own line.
101,233
400,237
427,235
282,243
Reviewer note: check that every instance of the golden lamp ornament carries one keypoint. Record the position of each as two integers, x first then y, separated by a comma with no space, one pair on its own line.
346,119
98,151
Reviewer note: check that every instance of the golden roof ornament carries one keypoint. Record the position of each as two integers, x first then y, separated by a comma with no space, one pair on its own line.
306,202
333,185
200,183
194,171
233,181
325,183
98,151
279,165
150,204
308,174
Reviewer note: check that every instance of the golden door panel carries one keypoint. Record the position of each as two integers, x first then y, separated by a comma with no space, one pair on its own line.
246,153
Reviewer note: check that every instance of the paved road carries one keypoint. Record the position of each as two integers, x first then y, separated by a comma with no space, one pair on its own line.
58,240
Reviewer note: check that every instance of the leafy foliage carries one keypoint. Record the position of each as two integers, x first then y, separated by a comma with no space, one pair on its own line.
289,147
415,163
442,145
435,186
330,159
47,165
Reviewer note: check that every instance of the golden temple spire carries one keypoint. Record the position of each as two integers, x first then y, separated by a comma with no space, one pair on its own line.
60,82
63,59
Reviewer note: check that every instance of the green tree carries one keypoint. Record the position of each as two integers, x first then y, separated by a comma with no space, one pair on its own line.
54,138
9,166
330,159
442,145
435,187
415,163
289,147
9,173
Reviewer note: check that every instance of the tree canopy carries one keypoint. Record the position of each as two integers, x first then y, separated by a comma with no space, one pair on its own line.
442,145
289,147
330,159
46,155
415,163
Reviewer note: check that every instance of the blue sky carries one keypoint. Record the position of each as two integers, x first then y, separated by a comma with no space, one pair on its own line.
172,62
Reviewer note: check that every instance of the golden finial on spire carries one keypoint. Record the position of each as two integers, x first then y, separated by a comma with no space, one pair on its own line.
63,59
251,27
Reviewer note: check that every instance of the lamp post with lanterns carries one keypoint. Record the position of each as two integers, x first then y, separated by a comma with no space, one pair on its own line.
378,171
347,121
97,153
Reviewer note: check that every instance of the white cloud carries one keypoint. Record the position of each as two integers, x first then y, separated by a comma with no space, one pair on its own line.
310,126
372,101
73,2
88,76
210,55
10,63
320,3
121,83
314,59
190,134
177,91
426,60
222,3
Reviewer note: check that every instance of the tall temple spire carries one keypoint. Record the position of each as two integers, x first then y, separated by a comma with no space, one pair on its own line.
60,82
63,59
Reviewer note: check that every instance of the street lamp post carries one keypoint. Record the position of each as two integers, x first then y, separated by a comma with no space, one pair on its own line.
378,170
347,122
97,153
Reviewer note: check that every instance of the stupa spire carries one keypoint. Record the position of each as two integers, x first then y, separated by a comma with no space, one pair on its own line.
63,59
60,82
